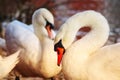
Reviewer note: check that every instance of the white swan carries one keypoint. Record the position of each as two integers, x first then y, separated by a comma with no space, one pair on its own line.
8,63
85,59
37,57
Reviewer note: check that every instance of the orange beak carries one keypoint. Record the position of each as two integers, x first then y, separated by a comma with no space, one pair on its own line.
48,28
60,52
59,48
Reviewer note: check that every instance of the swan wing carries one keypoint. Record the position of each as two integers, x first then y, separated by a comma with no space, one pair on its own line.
8,63
17,36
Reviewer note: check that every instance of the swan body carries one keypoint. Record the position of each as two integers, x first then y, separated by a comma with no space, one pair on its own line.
8,63
19,37
104,63
86,59
37,57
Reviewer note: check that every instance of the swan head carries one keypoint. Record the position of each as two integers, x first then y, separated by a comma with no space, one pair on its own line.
60,51
43,22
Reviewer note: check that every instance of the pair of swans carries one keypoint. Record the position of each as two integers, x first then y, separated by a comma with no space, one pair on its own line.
37,56
86,58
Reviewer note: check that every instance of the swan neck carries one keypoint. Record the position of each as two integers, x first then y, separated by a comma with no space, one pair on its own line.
93,39
40,31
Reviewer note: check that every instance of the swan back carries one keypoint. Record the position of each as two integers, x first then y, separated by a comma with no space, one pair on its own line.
18,23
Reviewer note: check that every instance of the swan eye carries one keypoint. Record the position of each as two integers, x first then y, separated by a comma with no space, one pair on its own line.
49,24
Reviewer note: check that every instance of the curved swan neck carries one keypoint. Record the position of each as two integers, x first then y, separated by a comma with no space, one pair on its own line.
94,39
39,25
39,20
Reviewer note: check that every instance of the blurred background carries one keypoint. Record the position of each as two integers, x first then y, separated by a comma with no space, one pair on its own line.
22,10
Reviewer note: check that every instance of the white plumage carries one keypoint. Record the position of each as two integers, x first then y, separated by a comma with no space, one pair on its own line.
8,63
37,57
84,59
